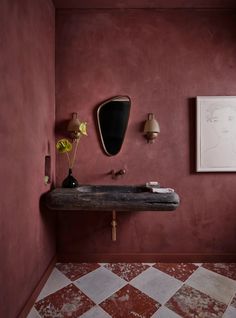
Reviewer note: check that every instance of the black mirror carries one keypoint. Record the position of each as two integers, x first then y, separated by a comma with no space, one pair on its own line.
113,116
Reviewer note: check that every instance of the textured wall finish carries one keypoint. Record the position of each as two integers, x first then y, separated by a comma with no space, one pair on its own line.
144,4
27,109
162,60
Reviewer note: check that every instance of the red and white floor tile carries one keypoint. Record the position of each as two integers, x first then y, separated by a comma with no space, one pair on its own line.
157,290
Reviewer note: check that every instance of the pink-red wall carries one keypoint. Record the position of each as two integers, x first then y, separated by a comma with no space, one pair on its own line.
162,60
27,109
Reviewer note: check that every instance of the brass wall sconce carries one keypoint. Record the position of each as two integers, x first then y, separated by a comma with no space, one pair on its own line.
151,128
74,127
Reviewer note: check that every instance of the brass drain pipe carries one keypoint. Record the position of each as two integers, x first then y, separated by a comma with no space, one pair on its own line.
113,224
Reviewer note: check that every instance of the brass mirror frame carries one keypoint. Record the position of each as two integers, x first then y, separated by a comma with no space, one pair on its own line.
120,98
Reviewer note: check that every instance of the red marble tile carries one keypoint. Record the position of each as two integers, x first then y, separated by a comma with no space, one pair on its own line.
126,271
225,269
233,302
76,270
68,302
191,303
130,302
181,271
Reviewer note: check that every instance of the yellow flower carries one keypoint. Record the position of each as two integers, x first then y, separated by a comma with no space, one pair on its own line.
83,128
63,145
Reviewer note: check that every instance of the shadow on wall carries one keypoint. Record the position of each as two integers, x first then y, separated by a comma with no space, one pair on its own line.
95,120
192,134
48,217
60,128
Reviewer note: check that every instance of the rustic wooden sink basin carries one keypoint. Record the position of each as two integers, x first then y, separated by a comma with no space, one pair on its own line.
111,197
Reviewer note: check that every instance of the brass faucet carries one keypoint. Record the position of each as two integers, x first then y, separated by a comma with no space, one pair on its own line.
116,174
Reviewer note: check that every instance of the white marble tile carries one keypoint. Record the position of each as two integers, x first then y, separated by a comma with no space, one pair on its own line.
100,284
215,285
55,281
156,284
164,312
33,313
96,312
230,312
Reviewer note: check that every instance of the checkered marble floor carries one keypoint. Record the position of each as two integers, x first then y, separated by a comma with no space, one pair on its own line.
139,290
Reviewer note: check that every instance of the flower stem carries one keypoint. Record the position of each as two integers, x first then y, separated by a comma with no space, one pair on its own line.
75,151
68,157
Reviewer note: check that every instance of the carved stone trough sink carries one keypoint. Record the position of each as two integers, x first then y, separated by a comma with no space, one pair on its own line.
112,197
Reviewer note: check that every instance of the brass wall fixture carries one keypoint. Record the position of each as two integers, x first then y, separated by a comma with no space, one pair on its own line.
74,127
116,174
151,128
113,225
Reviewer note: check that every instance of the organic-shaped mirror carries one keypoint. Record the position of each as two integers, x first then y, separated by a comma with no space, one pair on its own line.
113,116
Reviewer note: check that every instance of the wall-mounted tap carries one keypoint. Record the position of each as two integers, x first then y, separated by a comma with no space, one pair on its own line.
116,174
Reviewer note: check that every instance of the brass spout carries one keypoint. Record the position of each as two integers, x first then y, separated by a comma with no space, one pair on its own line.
113,224
118,173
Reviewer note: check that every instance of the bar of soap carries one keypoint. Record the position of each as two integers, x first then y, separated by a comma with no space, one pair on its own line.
152,183
162,190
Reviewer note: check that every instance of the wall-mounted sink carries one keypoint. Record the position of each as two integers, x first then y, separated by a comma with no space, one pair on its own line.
113,188
112,197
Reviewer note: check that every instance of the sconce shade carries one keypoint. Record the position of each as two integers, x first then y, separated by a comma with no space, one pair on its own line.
74,126
151,128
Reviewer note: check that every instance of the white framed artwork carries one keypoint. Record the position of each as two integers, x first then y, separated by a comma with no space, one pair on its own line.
216,133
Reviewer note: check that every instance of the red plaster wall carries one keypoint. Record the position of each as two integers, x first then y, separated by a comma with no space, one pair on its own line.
27,108
163,4
162,60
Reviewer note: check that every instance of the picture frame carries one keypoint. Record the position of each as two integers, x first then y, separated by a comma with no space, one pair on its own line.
216,133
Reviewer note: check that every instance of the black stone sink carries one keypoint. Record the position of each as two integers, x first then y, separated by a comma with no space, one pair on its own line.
111,197
113,189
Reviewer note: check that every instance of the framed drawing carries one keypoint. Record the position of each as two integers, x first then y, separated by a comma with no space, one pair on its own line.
216,133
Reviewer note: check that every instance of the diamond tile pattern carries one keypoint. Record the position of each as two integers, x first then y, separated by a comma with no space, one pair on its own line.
156,284
217,286
100,284
180,271
76,270
123,290
67,302
228,269
55,282
190,303
127,270
130,302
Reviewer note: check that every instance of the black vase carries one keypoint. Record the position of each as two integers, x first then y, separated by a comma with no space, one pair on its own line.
70,181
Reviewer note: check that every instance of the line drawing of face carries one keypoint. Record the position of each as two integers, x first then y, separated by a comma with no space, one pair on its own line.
223,120
219,146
